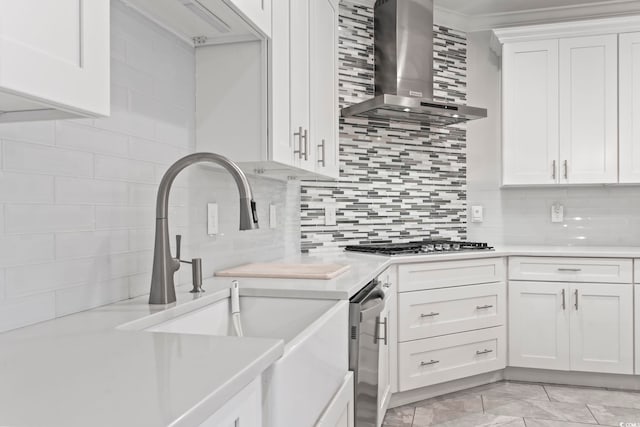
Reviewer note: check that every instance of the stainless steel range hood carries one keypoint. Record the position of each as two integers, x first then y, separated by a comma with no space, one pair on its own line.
404,69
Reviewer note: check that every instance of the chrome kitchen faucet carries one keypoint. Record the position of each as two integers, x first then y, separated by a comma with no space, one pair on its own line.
163,289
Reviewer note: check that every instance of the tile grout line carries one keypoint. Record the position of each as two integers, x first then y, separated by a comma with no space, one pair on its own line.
594,417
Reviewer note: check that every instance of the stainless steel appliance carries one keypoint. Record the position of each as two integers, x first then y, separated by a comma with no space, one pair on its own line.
403,33
421,247
366,333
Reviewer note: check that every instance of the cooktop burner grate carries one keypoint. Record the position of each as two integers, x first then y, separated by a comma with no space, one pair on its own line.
427,246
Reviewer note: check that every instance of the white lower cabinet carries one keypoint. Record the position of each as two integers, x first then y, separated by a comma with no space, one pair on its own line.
387,360
242,410
601,327
435,360
340,411
538,319
451,318
571,326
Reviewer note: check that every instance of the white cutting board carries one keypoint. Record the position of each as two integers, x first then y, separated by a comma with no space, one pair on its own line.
286,271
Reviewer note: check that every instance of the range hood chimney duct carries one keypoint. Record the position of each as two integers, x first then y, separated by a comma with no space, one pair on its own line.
403,31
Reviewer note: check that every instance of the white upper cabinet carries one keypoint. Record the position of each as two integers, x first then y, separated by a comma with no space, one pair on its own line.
530,112
313,70
629,124
589,109
54,59
324,86
563,102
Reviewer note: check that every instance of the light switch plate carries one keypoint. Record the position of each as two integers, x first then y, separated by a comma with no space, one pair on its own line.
557,213
477,214
273,221
212,219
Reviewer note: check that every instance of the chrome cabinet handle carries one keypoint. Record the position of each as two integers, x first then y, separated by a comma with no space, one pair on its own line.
483,307
574,270
321,160
305,136
432,314
576,294
553,170
378,338
566,169
485,351
431,362
564,300
299,150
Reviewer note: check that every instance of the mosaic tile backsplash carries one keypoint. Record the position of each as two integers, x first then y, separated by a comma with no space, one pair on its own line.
398,181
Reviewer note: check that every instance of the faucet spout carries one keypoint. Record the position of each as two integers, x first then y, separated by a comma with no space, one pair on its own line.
164,265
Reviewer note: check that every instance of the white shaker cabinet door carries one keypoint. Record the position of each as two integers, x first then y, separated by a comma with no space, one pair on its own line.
300,83
629,115
323,132
54,57
602,328
539,325
530,113
589,110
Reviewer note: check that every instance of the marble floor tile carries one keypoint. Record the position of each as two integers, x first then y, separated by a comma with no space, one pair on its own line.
447,408
534,422
511,390
402,416
615,416
538,409
595,396
481,420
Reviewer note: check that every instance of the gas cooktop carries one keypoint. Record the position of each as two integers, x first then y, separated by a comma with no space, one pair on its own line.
427,246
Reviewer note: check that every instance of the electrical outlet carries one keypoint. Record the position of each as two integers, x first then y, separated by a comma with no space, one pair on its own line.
330,215
212,219
272,216
557,212
477,214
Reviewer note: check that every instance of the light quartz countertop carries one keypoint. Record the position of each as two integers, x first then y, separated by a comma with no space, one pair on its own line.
80,370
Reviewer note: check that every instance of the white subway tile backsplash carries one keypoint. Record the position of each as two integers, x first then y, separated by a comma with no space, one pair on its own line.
152,151
34,132
31,279
91,243
26,249
130,77
42,218
26,188
91,191
82,137
79,298
18,312
20,156
125,169
124,216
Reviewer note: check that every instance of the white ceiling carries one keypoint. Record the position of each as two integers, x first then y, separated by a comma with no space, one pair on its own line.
489,7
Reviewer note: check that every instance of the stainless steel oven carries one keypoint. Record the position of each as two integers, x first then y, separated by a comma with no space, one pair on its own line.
366,333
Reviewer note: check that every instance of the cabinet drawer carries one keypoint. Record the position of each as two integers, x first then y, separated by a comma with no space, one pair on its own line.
436,360
435,312
432,275
555,269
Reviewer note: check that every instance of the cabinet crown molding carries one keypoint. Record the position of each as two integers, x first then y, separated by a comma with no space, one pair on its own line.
558,30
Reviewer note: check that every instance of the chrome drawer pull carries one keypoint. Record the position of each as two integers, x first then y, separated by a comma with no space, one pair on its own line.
483,307
485,351
431,362
573,270
432,314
